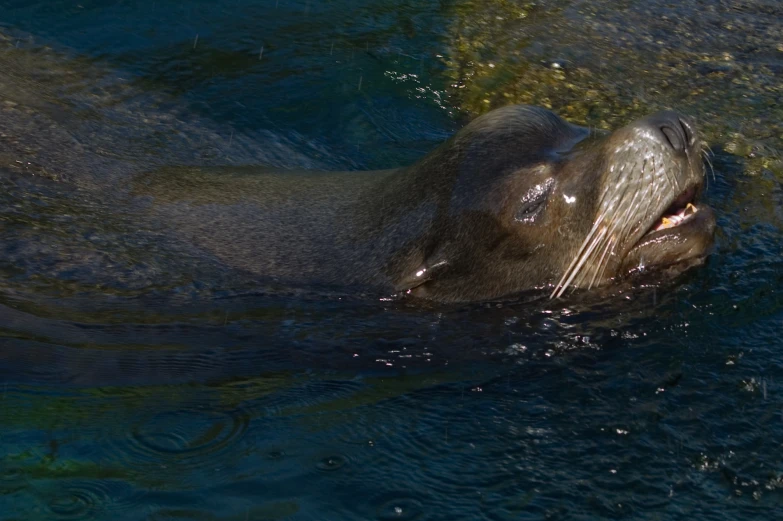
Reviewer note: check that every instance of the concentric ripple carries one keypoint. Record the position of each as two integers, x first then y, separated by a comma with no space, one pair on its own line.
76,503
331,463
186,438
72,500
188,433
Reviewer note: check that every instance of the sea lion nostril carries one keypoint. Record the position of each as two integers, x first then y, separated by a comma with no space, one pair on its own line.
676,139
690,138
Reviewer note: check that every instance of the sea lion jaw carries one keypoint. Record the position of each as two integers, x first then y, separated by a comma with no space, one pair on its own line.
685,243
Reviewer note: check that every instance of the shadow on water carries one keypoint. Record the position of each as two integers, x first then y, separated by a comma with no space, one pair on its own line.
141,379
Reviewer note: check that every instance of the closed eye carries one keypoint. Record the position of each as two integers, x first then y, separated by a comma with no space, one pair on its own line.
533,202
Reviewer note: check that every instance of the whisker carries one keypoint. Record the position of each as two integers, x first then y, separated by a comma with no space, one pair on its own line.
673,180
598,268
577,263
610,245
708,160
588,238
575,273
560,286
620,208
585,257
611,235
680,172
625,222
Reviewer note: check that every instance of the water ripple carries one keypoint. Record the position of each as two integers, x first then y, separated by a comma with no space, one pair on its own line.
184,439
401,506
71,500
12,479
217,431
332,463
76,503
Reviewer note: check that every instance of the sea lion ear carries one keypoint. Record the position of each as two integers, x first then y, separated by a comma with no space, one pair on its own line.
426,271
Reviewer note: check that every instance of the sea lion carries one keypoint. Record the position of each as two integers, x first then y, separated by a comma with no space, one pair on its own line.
518,199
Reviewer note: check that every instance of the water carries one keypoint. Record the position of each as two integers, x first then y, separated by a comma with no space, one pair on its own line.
140,379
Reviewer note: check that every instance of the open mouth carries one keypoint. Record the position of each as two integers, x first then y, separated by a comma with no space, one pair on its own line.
681,210
681,236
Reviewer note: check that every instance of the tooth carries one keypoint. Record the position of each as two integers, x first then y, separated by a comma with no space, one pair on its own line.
690,207
667,223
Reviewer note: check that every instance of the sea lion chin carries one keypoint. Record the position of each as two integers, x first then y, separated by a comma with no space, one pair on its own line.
517,200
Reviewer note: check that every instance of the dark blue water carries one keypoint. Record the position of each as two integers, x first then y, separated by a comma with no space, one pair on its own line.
141,380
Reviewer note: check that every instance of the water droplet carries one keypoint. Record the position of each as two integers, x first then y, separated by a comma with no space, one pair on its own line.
400,509
331,463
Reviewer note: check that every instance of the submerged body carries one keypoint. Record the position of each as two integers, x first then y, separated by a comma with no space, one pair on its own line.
519,199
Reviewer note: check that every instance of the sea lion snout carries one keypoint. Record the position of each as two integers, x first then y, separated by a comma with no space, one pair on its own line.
671,129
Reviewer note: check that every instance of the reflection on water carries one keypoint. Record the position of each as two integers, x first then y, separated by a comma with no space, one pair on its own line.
141,379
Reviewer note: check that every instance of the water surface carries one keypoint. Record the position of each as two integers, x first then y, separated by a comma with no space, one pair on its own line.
141,379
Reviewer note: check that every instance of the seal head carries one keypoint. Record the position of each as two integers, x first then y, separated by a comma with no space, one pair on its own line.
526,200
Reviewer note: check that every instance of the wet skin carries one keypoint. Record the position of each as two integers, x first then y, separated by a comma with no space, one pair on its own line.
519,199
